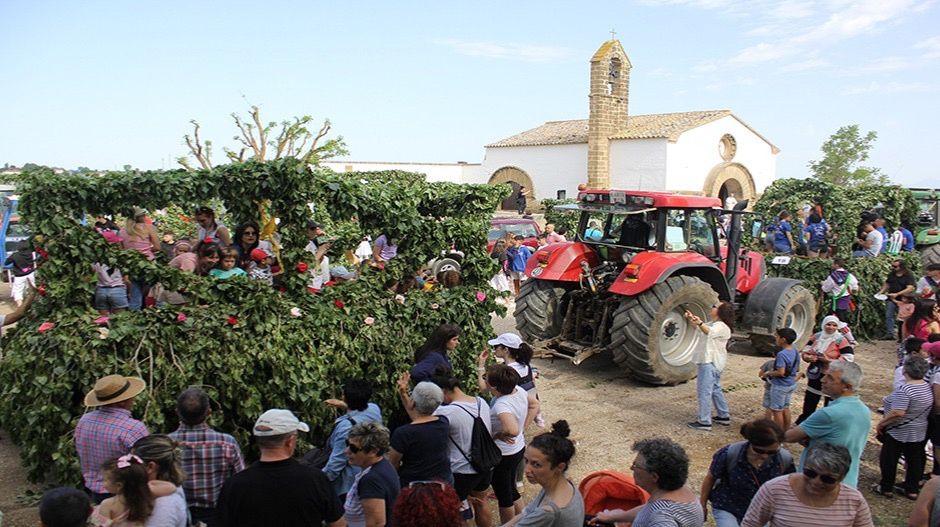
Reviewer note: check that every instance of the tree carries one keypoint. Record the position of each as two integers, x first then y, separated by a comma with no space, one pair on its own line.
842,153
292,139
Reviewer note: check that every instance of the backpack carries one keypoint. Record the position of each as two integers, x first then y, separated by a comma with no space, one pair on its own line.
736,450
319,457
484,454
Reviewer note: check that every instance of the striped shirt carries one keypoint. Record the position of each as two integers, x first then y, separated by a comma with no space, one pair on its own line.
209,458
102,435
916,400
775,503
668,513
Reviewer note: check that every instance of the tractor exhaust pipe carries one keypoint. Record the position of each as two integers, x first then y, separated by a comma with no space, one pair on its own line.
734,247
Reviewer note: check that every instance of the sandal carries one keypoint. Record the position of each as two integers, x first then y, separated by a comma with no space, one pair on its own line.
876,489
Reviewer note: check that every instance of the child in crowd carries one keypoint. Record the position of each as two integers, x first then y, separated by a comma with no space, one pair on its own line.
183,257
23,265
226,268
518,255
260,269
168,245
782,378
132,503
905,310
500,280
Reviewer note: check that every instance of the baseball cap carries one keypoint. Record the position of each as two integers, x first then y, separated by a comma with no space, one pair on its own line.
259,254
314,225
932,349
275,422
510,340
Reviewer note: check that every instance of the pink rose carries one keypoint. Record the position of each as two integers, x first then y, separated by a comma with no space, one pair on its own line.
481,296
102,320
46,326
369,321
181,317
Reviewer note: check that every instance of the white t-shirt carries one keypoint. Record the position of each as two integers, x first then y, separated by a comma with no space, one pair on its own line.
715,349
877,240
517,405
461,429
169,511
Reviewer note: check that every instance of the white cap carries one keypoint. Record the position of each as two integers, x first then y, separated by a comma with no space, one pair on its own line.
276,422
510,340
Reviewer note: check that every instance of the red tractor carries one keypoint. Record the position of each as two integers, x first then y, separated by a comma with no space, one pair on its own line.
638,261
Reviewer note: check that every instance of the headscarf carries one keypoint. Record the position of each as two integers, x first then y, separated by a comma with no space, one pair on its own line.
824,340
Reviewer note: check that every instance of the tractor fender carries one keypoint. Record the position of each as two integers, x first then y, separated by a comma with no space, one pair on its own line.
761,306
560,262
651,268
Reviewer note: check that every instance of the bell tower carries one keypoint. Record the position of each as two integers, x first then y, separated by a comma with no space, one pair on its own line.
609,95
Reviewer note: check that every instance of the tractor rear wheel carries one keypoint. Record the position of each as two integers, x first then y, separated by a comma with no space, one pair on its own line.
650,336
930,254
540,309
796,308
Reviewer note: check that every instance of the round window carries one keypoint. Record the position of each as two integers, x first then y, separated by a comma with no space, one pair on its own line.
727,147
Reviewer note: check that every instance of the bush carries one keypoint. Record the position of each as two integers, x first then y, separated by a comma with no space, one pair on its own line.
843,205
871,274
562,220
247,344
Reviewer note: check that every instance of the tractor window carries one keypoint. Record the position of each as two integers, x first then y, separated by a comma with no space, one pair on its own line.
677,234
701,235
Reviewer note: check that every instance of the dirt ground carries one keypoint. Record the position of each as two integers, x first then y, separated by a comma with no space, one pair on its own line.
607,412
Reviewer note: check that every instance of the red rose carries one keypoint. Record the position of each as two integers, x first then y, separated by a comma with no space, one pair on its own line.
302,267
181,317
339,303
208,239
46,326
232,320
42,290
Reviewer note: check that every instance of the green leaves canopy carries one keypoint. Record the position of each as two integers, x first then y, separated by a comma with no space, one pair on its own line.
267,357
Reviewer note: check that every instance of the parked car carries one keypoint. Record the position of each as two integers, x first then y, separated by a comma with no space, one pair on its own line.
526,227
12,232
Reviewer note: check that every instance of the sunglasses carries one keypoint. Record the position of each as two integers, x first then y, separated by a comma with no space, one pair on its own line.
427,483
353,448
765,451
825,478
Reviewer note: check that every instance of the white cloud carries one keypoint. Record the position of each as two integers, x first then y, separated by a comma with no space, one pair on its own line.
882,65
891,87
507,51
791,9
763,52
805,65
931,47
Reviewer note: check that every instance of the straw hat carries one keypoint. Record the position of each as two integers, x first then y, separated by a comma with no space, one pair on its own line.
114,389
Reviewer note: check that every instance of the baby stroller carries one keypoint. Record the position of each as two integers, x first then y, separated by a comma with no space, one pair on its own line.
607,489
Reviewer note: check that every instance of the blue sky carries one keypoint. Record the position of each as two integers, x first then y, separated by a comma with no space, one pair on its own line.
103,84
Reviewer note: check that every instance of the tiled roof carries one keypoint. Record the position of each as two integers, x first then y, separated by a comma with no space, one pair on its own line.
664,125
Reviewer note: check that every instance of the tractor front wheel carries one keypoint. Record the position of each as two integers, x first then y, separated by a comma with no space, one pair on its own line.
650,336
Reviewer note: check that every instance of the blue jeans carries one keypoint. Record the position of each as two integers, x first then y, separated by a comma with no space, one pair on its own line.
135,294
777,398
891,317
708,386
863,254
724,518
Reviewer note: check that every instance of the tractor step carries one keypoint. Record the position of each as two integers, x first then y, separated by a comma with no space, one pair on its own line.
576,352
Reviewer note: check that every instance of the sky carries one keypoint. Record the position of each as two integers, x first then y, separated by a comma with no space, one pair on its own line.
102,84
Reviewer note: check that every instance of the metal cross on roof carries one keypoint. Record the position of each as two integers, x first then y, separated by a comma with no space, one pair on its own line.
613,34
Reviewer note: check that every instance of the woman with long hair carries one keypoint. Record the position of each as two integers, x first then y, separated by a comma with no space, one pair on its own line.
739,469
140,236
209,227
161,454
518,355
558,503
711,359
246,240
433,353
208,255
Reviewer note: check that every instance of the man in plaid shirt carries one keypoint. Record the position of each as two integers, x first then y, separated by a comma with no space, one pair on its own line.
109,430
209,457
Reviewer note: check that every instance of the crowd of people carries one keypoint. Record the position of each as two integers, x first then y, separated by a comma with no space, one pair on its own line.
810,235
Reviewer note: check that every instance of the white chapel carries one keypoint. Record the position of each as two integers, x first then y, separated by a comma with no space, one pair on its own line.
710,152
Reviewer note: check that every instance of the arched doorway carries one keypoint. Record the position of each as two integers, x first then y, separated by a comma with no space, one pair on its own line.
515,177
730,178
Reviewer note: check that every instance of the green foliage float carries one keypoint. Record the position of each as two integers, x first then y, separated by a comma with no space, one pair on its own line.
251,347
871,273
842,205
562,220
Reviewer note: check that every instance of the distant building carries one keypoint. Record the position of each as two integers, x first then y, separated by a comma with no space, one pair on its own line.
710,153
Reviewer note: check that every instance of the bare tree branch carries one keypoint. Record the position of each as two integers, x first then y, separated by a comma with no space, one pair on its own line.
201,151
311,155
